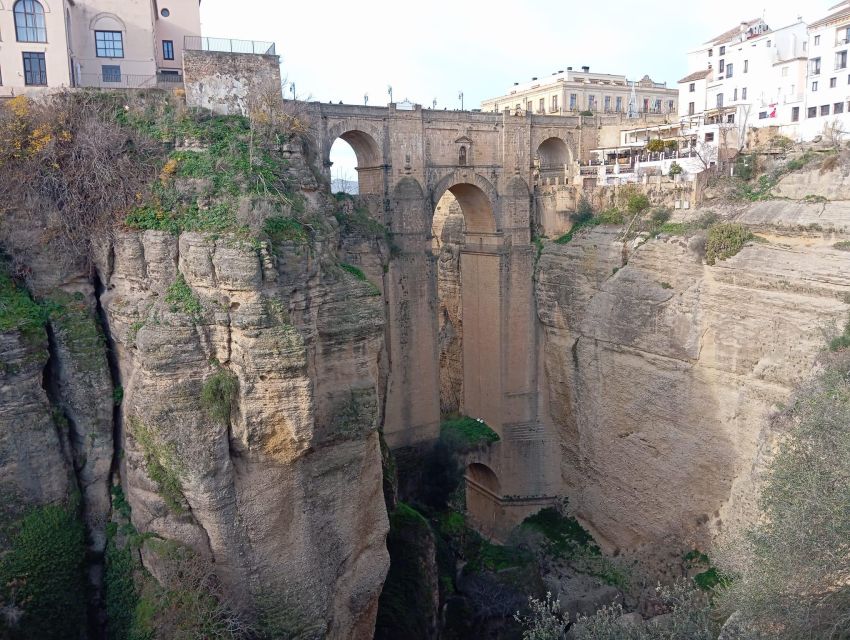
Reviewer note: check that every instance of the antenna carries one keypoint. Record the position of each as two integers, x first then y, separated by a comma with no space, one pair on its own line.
460,97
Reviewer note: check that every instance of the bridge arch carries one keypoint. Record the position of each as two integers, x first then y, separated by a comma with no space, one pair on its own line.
366,142
477,198
483,498
553,152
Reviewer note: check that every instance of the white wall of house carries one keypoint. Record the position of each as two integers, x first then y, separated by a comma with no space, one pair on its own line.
53,47
828,82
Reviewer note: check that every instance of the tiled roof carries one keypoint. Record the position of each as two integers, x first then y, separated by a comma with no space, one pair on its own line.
696,75
726,36
842,13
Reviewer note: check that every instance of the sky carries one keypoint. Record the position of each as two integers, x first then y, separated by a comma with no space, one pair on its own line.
342,50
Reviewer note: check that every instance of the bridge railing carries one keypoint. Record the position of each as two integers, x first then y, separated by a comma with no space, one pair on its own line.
228,45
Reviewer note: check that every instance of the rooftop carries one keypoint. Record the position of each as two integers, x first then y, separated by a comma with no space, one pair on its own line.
739,29
696,75
843,12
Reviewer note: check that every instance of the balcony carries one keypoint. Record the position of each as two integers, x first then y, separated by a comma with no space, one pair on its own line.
129,81
229,45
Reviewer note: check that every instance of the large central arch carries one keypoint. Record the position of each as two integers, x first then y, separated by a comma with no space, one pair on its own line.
367,150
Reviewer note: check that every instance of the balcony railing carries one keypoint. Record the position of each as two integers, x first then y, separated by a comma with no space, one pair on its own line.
129,81
228,45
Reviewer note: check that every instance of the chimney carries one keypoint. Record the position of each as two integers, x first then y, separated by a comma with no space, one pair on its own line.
560,71
534,78
586,69
569,68
516,84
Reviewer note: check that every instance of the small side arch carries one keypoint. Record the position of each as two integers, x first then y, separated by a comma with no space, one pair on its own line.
484,477
553,152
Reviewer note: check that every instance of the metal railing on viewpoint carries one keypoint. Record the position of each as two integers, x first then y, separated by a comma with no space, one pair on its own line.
228,45
128,80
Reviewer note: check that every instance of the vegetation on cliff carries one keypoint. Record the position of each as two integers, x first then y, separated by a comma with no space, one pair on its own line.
42,578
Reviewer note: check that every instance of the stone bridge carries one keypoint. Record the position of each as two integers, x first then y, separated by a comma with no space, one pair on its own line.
484,164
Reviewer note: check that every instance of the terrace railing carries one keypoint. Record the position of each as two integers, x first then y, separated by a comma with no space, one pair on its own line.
228,45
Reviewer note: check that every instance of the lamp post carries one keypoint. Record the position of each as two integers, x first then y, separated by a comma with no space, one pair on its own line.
460,97
292,86
390,91
434,104
365,98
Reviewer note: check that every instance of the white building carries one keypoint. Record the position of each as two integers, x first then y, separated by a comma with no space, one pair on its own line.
828,83
84,43
750,76
570,92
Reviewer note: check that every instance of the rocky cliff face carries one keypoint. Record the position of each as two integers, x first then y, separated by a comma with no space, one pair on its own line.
230,383
662,372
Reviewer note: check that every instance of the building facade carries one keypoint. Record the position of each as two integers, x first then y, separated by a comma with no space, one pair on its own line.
750,76
571,92
828,84
93,43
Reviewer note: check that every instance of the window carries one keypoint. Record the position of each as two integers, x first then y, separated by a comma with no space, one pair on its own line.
619,103
692,87
795,114
722,50
814,66
529,106
168,50
730,118
735,95
744,93
29,21
690,108
111,73
838,107
719,99
746,66
35,69
767,44
109,44
591,102
722,65
832,82
709,137
165,13
607,104
824,109
817,40
841,59
815,85
729,70
461,156
670,106
710,52
517,107
784,72
541,107
554,106
812,112
573,101
762,115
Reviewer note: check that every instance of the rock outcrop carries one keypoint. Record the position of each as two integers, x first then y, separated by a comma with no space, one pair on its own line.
662,372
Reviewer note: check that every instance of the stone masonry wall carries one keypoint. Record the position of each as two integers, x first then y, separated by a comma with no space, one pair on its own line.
223,82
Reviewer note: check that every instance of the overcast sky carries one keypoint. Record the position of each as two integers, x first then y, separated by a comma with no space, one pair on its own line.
340,50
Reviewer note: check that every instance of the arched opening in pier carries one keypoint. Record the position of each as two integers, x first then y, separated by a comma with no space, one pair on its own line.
553,153
356,164
483,498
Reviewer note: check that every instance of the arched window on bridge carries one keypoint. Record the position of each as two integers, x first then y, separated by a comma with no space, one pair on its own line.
461,157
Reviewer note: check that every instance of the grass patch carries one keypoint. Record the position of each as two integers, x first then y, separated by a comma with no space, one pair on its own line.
357,272
161,464
281,229
43,576
358,222
183,300
564,534
844,245
18,311
218,393
466,434
725,240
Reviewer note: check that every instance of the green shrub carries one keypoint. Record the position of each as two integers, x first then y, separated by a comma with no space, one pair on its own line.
725,240
583,212
637,203
611,216
20,312
120,594
357,272
218,393
466,434
656,145
660,215
280,229
844,245
43,575
182,299
675,169
564,534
